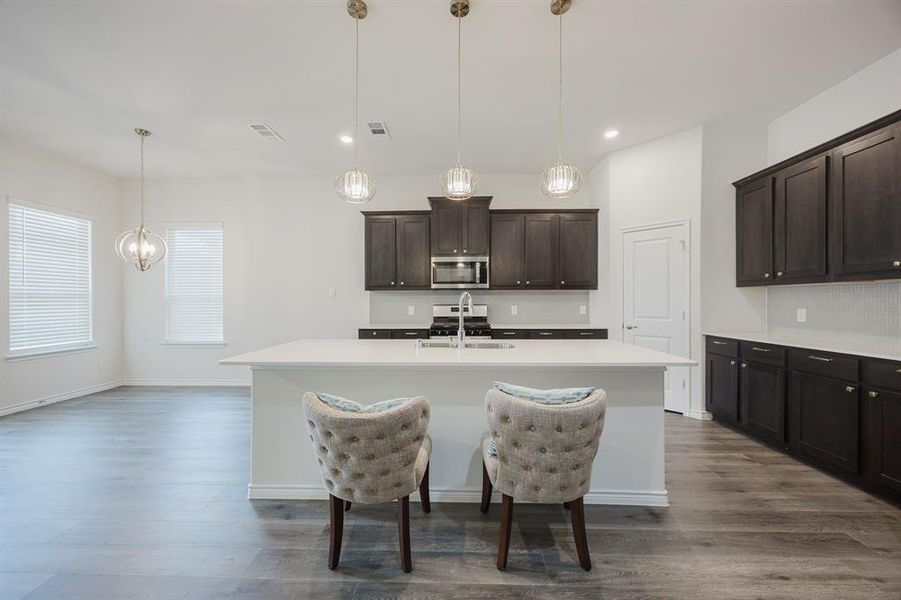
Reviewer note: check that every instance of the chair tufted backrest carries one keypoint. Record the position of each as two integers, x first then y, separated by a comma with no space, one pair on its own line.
367,457
545,452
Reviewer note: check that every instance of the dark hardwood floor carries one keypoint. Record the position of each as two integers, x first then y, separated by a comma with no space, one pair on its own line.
140,493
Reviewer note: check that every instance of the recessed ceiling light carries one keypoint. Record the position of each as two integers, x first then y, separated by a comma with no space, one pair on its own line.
346,139
611,133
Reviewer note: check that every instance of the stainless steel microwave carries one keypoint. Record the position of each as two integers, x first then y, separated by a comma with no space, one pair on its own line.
463,272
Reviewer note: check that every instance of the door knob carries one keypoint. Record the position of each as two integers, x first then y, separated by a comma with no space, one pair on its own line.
562,283
631,326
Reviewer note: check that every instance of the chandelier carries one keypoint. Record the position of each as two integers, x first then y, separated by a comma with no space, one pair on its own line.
140,246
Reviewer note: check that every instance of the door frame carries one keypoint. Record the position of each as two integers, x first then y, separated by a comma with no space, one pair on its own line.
686,289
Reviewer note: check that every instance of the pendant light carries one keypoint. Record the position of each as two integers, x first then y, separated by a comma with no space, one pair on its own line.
459,182
355,185
562,179
140,246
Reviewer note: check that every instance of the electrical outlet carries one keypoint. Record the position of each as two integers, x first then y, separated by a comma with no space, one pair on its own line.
514,309
101,365
583,310
331,292
411,310
801,315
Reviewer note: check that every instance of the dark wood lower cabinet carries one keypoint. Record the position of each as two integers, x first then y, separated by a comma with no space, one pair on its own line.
824,420
722,387
883,439
762,400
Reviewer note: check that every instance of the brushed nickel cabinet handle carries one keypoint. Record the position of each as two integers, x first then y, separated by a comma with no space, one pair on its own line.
779,273
731,363
719,343
375,333
455,250
562,283
744,365
896,263
766,275
873,394
509,333
517,282
759,349
850,388
411,333
545,333
392,283
586,333
898,371
820,358
401,282
464,250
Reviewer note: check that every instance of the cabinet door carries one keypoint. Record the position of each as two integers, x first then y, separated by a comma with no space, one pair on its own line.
476,227
883,439
824,419
866,206
447,223
754,233
381,261
800,222
413,264
506,260
578,251
722,387
762,404
540,233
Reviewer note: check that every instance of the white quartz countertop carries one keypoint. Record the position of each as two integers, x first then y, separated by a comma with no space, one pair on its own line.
493,326
354,353
887,348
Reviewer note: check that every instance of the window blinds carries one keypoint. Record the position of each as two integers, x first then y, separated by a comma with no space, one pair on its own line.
194,296
49,281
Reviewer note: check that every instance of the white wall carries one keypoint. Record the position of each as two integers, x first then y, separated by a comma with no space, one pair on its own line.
287,242
865,96
651,183
33,176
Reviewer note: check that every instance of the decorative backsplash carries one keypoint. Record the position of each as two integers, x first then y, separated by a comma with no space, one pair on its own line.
855,310
533,307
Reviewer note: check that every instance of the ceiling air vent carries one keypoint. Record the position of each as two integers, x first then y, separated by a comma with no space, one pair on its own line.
379,128
266,132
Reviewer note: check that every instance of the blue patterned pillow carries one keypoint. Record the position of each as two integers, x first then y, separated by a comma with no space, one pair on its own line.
559,396
351,406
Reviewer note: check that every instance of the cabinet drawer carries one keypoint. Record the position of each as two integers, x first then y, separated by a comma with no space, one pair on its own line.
884,374
400,334
509,334
547,334
722,346
764,353
374,334
586,334
826,364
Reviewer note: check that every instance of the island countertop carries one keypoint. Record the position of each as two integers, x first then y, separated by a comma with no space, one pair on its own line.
526,353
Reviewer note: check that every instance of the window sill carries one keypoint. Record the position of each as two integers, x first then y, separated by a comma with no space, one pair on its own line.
42,353
221,344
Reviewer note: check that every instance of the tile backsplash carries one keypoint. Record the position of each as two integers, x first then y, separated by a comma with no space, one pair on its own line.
854,310
533,307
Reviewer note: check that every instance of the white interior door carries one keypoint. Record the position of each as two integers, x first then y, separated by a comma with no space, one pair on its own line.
655,300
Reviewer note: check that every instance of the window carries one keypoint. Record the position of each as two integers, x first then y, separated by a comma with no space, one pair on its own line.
49,281
194,302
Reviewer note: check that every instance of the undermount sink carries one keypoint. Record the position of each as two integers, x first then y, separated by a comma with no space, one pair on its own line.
468,344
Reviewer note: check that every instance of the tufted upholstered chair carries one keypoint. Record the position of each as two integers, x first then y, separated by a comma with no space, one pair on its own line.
544,454
371,458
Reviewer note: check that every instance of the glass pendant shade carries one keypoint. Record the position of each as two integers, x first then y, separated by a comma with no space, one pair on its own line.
141,248
355,186
561,180
459,183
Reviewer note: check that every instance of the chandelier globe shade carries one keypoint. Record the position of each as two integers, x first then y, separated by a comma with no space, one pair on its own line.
459,183
355,186
140,246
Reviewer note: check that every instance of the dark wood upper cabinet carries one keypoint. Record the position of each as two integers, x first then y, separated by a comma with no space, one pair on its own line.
381,252
578,250
800,223
506,262
541,235
413,252
397,251
824,419
762,393
754,233
460,226
866,206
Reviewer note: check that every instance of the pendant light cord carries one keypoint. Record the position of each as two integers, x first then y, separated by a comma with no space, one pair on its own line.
142,180
459,85
560,98
356,83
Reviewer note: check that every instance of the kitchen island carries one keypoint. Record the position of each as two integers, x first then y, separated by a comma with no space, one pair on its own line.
629,468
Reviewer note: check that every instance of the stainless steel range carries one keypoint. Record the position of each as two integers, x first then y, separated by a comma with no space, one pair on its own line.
446,318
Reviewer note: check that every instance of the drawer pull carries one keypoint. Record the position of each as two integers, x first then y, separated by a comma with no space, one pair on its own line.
509,333
819,358
719,343
898,371
586,333
759,349
850,388
411,333
873,394
545,333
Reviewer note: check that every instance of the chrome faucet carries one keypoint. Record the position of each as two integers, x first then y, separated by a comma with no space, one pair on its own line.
461,334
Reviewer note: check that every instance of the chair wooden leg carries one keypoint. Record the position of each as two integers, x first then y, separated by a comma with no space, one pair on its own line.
486,489
403,530
424,491
577,512
336,530
347,506
503,542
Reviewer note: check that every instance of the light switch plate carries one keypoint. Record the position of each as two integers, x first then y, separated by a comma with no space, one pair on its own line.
583,310
802,315
514,309
411,310
331,292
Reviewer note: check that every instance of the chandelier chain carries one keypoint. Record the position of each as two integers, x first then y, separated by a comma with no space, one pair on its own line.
560,98
459,85
142,181
356,83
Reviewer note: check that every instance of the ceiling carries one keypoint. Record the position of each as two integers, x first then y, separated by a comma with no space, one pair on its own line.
77,77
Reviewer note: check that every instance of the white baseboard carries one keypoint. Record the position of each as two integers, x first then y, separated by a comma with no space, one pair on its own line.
257,491
188,382
702,415
53,399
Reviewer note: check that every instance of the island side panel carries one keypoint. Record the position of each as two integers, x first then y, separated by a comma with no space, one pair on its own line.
629,468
